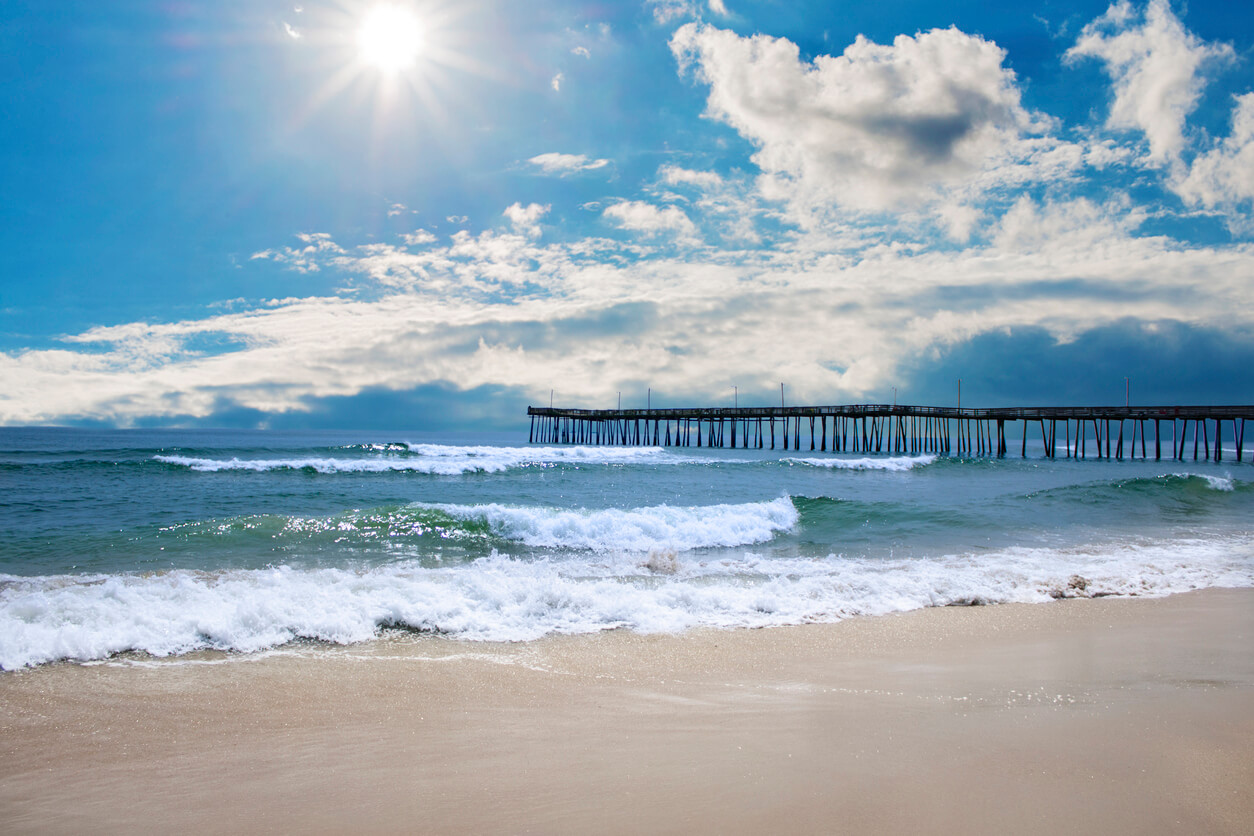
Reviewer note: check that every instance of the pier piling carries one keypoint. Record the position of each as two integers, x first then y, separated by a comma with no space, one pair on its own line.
879,428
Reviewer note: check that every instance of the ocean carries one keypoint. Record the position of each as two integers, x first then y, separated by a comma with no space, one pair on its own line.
133,544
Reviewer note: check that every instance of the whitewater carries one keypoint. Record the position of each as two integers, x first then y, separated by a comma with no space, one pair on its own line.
124,545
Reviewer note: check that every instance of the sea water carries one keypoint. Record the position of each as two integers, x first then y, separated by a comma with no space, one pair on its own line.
167,542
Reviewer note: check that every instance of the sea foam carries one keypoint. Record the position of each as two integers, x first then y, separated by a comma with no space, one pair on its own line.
503,598
633,529
436,459
889,463
1215,483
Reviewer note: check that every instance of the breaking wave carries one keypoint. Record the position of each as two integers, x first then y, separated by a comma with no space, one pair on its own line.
435,459
502,598
889,463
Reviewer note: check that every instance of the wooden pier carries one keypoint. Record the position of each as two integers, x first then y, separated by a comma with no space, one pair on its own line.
1084,431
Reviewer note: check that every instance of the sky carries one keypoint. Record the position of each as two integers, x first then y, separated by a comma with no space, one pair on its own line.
428,214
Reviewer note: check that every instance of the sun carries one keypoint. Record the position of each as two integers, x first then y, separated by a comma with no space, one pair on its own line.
390,38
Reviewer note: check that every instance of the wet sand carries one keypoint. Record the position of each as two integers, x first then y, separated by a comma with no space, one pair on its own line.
1105,716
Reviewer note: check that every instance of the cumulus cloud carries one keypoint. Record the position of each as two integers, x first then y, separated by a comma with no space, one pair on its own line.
729,206
556,83
526,219
563,164
581,51
639,216
1155,66
867,129
1081,224
959,220
1224,175
418,237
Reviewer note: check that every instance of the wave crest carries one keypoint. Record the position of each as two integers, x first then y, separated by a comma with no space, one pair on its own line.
499,598
634,529
891,463
433,459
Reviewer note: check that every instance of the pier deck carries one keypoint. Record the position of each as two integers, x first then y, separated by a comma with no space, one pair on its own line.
898,428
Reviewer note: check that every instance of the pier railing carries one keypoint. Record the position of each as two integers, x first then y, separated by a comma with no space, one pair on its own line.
900,428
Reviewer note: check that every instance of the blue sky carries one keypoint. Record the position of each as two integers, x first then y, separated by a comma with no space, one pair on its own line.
250,213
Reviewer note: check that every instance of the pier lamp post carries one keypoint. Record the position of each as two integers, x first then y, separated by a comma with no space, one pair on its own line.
620,401
648,399
781,395
894,397
736,397
1127,392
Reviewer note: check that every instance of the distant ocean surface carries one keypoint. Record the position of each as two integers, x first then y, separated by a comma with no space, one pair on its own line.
167,542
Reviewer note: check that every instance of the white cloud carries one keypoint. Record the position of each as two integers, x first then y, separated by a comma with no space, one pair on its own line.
418,237
729,206
676,176
581,51
718,7
868,129
556,83
554,163
1224,175
1155,67
665,11
1029,227
639,216
526,219
291,31
959,220
501,309
303,259
397,209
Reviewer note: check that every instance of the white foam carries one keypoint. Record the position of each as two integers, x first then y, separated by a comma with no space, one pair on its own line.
440,459
891,463
1215,483
501,598
633,529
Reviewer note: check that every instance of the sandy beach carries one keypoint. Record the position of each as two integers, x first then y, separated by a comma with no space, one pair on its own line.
1081,716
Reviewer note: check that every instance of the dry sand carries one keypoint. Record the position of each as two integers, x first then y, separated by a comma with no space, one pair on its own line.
1110,716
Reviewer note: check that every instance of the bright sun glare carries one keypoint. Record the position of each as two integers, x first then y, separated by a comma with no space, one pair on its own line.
390,38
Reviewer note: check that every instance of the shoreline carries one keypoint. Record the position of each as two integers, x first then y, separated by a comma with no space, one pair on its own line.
1110,715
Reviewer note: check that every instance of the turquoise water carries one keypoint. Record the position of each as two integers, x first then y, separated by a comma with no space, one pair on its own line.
170,541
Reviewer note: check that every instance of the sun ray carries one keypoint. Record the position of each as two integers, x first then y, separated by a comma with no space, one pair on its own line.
395,59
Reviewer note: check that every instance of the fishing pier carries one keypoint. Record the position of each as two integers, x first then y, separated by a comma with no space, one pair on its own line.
1099,432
